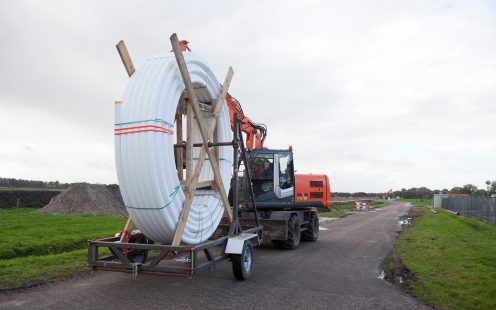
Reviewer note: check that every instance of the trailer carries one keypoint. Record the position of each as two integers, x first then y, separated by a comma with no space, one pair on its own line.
133,252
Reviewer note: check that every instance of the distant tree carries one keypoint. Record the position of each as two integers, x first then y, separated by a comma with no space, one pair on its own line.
458,190
470,189
480,193
445,191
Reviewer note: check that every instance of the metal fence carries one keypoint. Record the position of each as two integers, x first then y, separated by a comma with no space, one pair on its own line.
481,208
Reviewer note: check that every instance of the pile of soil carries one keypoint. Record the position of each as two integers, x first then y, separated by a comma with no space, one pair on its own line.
84,198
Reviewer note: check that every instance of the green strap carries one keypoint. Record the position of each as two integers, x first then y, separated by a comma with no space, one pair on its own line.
220,159
156,120
173,195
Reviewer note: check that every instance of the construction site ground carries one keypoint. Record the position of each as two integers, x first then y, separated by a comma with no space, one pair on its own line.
340,271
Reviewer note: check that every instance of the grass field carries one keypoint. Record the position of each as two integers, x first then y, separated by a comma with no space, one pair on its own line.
37,247
449,260
418,202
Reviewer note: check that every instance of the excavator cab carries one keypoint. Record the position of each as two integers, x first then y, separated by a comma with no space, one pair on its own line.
272,177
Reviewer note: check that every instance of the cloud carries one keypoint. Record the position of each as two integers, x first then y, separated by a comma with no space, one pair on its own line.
377,95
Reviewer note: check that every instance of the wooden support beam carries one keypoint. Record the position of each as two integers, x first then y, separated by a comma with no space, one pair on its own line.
128,64
126,59
128,229
205,137
189,142
179,151
202,184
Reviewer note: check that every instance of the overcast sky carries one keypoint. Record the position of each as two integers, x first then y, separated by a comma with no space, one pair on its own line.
376,94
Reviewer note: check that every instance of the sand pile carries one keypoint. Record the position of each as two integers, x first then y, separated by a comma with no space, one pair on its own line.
84,198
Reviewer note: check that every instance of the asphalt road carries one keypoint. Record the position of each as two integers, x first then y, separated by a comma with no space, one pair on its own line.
340,271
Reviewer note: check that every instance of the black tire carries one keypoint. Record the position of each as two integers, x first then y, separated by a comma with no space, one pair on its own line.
294,234
139,258
312,232
242,264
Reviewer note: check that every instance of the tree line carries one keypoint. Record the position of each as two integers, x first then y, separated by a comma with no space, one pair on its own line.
21,183
426,193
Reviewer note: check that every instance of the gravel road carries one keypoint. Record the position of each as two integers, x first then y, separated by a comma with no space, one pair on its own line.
340,271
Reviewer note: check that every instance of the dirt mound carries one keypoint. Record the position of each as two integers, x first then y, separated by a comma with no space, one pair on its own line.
84,198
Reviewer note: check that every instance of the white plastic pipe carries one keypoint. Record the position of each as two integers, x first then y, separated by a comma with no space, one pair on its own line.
144,155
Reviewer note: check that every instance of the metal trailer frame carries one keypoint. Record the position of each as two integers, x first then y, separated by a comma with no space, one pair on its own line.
162,263
122,253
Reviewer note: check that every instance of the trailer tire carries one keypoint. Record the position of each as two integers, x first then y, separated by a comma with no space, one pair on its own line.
294,235
139,258
312,232
242,264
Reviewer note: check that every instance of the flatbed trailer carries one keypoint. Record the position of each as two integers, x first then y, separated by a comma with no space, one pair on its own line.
140,256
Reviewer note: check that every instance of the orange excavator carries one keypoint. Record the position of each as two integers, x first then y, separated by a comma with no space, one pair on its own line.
285,202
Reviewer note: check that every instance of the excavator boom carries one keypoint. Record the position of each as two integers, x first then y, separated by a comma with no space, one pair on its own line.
255,133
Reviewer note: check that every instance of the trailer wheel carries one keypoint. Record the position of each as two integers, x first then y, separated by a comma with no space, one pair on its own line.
294,235
139,258
243,263
312,232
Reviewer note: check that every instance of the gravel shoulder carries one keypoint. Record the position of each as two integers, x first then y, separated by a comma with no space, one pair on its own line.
341,270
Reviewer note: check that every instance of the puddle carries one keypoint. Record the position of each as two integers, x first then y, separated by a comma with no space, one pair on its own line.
327,219
323,228
405,221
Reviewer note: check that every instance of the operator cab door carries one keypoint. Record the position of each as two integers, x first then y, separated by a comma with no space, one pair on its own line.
272,175
284,175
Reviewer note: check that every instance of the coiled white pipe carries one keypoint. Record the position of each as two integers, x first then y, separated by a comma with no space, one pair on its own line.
144,154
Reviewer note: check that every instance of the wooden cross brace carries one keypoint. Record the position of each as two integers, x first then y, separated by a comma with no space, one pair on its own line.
128,65
205,134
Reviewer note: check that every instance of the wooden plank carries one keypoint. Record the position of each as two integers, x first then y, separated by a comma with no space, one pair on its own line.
202,184
179,151
128,228
126,59
205,137
189,142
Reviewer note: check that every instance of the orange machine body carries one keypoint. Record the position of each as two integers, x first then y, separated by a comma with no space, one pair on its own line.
312,188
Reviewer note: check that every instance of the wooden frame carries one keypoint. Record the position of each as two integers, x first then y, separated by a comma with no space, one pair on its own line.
193,111
193,105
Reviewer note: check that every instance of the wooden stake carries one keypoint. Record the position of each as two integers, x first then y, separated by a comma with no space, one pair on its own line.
194,103
189,142
128,65
126,59
127,229
179,151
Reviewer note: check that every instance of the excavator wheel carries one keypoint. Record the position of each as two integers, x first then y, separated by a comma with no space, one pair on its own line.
312,232
294,235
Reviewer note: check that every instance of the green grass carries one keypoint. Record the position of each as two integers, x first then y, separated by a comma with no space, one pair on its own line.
33,270
37,247
339,211
418,202
452,260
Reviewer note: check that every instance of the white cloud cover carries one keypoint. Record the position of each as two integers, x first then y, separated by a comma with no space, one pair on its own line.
376,94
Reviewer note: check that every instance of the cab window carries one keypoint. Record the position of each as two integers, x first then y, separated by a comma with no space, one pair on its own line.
262,174
286,170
